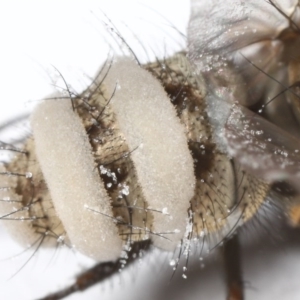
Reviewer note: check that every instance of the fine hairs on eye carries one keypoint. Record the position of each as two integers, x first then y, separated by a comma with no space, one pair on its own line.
141,157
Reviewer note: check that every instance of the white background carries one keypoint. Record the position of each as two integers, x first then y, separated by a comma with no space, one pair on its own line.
37,35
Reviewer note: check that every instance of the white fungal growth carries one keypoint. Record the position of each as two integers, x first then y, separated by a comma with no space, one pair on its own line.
65,155
164,164
133,171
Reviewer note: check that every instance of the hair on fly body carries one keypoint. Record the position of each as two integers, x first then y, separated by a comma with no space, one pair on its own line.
175,149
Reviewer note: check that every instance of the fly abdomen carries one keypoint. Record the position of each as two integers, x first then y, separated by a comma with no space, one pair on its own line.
132,158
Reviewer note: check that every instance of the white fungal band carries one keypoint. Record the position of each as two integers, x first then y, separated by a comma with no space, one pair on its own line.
80,199
159,147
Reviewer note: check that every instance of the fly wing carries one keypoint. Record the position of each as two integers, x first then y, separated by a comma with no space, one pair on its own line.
237,32
216,27
262,148
224,38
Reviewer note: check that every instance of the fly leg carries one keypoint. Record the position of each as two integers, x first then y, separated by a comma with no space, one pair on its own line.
101,271
233,270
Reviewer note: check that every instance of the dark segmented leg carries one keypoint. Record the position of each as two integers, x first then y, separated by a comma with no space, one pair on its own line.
100,272
233,269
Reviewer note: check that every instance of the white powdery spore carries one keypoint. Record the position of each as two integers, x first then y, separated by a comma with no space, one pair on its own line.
164,164
218,111
65,156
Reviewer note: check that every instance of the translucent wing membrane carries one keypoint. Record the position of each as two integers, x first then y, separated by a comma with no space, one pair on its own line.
261,147
220,29
248,54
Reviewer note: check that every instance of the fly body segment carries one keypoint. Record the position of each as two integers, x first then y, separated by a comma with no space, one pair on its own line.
141,161
174,154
